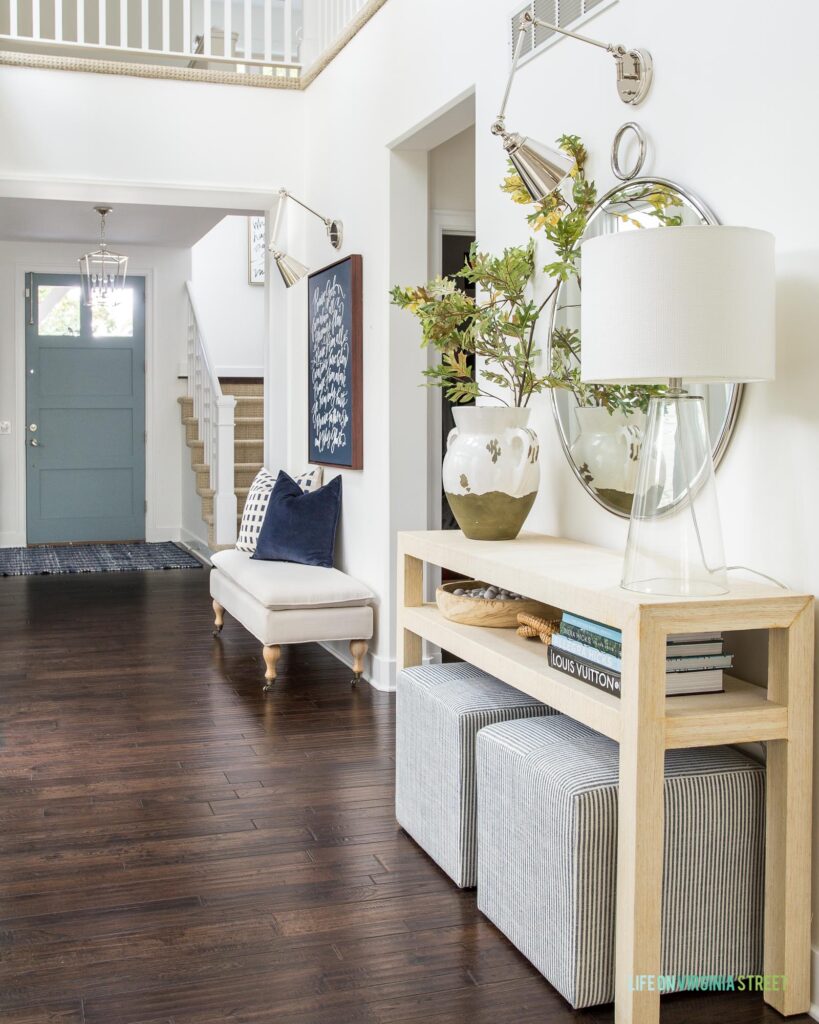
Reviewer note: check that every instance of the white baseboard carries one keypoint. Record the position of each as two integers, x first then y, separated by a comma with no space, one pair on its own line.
240,371
226,371
814,986
379,672
157,534
197,545
12,539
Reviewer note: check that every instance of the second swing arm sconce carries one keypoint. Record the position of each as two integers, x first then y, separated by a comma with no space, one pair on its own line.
541,168
291,270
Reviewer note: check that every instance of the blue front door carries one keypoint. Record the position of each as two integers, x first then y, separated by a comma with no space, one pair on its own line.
85,413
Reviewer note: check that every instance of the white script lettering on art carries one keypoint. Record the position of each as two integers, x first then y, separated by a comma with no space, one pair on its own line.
330,357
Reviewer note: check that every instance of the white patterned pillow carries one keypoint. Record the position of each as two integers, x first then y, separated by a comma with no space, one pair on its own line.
258,498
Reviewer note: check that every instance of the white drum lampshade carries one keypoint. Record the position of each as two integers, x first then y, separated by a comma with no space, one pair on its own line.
666,306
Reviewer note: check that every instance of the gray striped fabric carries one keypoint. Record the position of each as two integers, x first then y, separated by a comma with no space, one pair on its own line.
547,841
439,710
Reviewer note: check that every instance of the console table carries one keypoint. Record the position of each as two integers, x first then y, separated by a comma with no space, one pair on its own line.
583,579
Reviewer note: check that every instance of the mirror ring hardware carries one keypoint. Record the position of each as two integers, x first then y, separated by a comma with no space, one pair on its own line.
615,151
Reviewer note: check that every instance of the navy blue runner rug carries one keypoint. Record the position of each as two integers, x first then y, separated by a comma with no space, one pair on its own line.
48,559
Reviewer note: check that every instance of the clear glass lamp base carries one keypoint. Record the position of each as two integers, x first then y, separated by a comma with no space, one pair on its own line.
674,543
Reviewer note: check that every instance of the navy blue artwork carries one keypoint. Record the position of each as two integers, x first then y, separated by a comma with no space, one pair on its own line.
334,365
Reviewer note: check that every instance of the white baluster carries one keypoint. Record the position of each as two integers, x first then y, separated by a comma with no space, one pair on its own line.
225,508
268,30
247,47
186,26
35,19
58,20
102,33
12,17
205,432
227,48
166,27
145,26
123,21
207,31
288,31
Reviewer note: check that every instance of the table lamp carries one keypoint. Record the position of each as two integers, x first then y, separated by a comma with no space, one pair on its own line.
665,306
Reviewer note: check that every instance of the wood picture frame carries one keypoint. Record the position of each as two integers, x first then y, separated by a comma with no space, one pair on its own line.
255,250
335,365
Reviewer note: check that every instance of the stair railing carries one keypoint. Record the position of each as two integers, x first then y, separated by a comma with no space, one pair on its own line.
215,414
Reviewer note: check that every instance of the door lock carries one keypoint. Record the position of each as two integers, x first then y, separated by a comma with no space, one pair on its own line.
35,443
32,427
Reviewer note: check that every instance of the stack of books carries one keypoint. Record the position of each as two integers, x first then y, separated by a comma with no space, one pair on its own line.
592,653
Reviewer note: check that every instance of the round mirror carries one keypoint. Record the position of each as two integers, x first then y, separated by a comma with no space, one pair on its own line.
601,428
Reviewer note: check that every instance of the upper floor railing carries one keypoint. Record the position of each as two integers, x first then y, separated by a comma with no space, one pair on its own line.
272,38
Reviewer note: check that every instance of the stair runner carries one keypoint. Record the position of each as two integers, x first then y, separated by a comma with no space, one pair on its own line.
248,446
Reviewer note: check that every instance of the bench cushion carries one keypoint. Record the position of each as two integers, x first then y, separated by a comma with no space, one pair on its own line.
291,625
285,585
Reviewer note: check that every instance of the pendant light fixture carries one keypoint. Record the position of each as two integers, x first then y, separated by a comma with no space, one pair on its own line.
102,272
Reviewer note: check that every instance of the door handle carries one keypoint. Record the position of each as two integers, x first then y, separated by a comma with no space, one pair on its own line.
35,443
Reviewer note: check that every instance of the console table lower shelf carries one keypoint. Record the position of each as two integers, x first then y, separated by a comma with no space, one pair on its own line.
584,580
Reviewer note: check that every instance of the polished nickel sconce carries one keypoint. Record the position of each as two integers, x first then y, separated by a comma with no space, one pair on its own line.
541,168
291,270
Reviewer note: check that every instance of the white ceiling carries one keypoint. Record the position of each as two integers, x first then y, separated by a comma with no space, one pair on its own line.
51,220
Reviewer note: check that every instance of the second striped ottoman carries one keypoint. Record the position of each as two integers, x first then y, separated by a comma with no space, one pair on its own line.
439,710
547,852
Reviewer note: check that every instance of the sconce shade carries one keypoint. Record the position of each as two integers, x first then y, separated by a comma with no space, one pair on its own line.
695,303
541,168
291,270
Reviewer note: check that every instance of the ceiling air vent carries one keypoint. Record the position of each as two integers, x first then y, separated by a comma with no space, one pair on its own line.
565,13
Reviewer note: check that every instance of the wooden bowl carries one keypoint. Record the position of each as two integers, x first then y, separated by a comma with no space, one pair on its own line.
477,611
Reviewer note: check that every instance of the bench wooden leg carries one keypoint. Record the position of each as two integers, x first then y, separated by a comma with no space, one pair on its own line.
271,654
358,649
218,618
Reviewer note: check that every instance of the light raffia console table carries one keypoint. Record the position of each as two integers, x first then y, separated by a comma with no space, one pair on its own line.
585,580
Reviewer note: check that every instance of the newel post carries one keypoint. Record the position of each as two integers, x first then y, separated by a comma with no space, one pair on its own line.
224,498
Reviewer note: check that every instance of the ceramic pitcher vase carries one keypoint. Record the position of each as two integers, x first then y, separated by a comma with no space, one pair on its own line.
491,471
607,449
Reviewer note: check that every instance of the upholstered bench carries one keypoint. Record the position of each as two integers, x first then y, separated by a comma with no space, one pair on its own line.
547,842
288,603
439,710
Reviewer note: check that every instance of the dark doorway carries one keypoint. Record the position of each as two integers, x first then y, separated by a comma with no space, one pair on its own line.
454,255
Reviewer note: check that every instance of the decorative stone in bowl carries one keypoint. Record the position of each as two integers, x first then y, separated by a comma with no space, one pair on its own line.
474,603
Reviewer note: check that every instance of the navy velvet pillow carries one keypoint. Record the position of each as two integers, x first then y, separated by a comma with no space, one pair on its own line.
300,526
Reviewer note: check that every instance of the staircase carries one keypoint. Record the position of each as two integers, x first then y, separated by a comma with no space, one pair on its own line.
248,447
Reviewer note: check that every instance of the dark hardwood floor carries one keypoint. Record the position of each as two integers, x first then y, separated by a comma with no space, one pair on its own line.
176,848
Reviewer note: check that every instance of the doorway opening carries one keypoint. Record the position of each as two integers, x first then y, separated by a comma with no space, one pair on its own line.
451,198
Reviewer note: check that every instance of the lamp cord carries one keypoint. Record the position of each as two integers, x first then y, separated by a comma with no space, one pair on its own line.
756,572
724,568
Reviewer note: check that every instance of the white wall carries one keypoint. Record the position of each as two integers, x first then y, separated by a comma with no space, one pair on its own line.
710,129
355,110
102,130
231,310
166,271
452,173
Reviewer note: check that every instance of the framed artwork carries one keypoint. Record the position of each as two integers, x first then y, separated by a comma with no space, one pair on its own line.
334,365
255,250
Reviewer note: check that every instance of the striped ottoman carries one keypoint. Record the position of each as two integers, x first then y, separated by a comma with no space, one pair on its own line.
439,710
547,841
